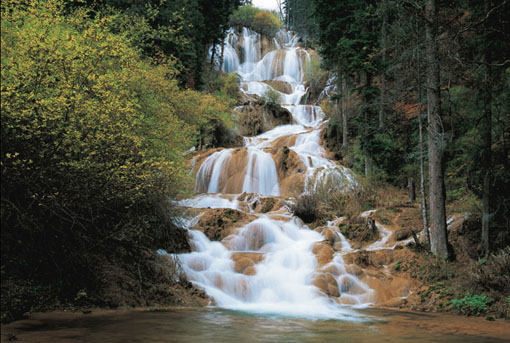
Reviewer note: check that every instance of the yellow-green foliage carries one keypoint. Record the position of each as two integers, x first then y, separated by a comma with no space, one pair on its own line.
272,96
259,20
78,101
266,22
85,120
208,114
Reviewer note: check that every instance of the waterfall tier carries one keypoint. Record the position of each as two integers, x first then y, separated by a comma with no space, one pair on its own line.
267,260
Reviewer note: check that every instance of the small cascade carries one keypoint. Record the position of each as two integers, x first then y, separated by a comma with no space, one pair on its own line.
271,263
209,176
261,176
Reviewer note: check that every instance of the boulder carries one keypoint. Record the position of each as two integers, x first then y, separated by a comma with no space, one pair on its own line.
327,284
218,223
256,118
280,86
244,262
323,252
402,234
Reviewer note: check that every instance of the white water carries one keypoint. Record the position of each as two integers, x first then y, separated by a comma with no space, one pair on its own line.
281,280
261,176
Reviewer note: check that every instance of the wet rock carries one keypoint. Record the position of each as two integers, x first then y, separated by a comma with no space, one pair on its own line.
395,302
359,231
402,234
244,262
354,270
327,284
330,235
261,204
218,223
255,119
280,86
323,252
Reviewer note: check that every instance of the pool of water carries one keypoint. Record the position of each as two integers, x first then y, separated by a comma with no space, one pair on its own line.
216,325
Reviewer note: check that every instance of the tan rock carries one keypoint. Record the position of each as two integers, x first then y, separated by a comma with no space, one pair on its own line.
323,252
219,223
255,119
280,86
244,262
330,235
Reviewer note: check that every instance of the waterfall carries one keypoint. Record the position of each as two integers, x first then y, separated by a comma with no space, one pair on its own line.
261,176
273,263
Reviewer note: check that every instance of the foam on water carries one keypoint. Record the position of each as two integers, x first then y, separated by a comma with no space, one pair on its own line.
279,245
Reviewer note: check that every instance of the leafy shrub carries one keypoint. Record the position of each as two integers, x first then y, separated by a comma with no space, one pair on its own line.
397,265
433,271
93,137
305,207
230,85
266,22
472,304
244,16
259,20
272,96
315,76
492,274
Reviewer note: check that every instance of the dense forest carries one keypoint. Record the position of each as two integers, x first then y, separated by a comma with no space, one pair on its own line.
421,83
103,103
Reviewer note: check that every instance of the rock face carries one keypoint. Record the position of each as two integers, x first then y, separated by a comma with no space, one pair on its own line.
257,118
280,86
323,252
262,204
218,223
245,262
359,231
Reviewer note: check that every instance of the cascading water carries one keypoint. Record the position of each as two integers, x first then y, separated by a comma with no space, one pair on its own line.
271,264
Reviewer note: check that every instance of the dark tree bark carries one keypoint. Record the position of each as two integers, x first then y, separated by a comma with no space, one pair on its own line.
213,54
345,99
412,192
438,237
486,157
383,75
422,167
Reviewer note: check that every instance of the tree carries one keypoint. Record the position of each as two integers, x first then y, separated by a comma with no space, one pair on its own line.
346,32
486,56
438,237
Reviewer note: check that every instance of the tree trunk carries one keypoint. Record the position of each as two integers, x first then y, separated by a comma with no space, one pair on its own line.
383,75
345,99
438,238
222,51
412,193
213,54
422,167
486,156
366,113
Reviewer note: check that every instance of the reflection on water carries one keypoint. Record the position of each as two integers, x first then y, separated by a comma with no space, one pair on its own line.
213,325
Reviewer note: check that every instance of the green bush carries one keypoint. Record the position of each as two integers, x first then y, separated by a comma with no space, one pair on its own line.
397,265
244,16
472,304
93,140
272,96
259,20
266,22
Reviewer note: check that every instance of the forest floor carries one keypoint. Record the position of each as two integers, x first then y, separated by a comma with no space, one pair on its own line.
467,284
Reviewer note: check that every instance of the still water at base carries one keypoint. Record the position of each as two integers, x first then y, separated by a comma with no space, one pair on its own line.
213,325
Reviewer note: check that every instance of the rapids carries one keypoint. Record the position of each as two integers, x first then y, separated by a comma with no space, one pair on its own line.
272,264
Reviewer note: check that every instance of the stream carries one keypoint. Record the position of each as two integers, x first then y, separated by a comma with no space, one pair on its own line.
216,325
